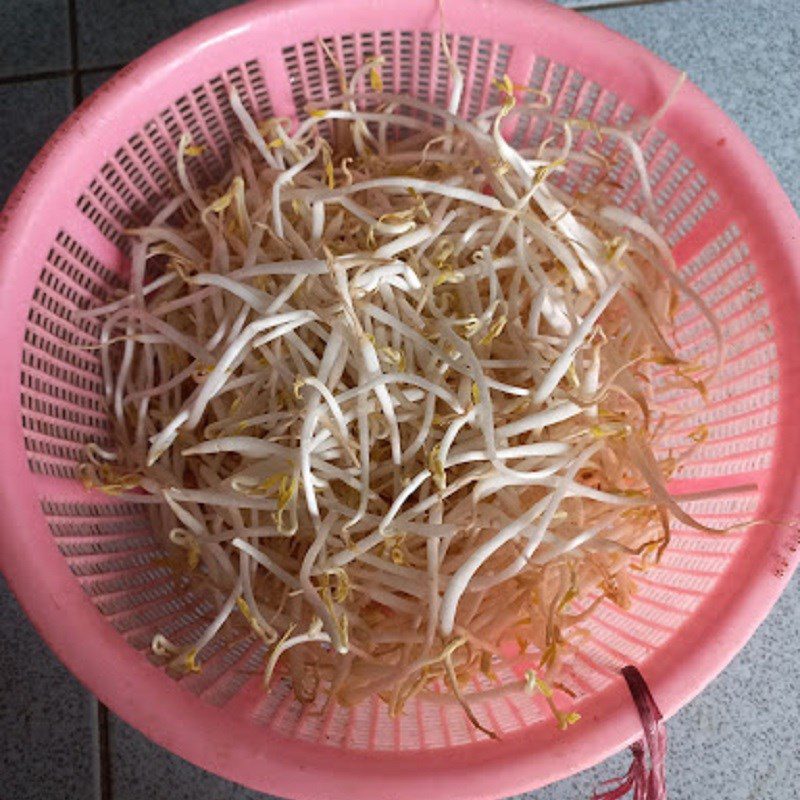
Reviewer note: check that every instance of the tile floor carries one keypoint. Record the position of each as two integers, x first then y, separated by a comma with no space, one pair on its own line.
739,740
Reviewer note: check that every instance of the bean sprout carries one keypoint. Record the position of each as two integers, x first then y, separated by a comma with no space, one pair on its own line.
391,399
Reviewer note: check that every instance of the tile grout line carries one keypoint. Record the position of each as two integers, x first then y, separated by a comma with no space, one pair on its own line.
604,5
72,11
104,752
101,756
101,759
95,755
29,77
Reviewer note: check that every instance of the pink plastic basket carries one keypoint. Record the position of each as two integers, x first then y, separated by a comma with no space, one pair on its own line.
86,567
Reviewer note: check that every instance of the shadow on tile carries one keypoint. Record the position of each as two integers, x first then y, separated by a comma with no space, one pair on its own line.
29,113
46,717
91,81
34,36
141,770
114,31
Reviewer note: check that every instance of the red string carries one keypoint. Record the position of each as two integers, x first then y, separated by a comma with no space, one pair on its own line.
646,781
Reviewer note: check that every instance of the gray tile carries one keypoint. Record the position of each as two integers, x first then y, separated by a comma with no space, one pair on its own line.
34,36
739,739
745,55
583,785
29,113
45,717
90,81
165,775
115,31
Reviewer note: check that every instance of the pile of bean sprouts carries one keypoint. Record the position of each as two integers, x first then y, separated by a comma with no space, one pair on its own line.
386,392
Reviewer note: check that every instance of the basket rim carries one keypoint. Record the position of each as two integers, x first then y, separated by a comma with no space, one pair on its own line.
62,613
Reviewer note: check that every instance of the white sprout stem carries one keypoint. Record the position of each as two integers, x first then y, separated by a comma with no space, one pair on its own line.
401,498
262,558
563,362
288,644
537,532
584,537
218,376
669,268
386,379
183,176
250,128
227,608
373,367
309,423
458,583
310,590
284,178
404,184
560,412
244,445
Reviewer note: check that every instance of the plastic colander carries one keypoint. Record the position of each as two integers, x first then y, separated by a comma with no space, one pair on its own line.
86,567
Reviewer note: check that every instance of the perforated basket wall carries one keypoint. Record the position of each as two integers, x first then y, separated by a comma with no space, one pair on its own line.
88,568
